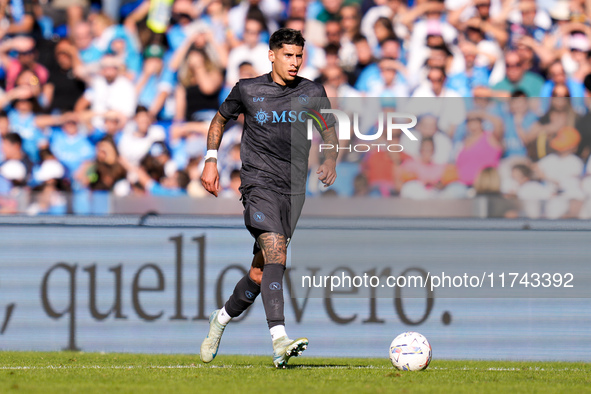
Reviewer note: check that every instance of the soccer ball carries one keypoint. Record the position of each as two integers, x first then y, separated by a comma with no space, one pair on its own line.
410,351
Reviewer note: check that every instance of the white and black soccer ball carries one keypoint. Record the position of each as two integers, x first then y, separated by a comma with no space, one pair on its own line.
410,351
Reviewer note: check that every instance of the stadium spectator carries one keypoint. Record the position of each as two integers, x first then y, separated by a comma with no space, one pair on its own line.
253,51
267,10
350,25
105,171
233,189
231,164
393,10
26,54
435,87
385,78
479,150
382,169
427,128
583,125
50,193
70,147
23,121
160,152
169,186
421,176
108,91
563,168
360,186
518,78
12,151
517,125
64,87
112,125
335,81
81,36
557,76
197,94
576,59
364,57
559,115
138,136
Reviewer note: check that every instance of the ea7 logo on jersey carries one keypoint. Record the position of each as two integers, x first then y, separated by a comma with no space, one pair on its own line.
258,99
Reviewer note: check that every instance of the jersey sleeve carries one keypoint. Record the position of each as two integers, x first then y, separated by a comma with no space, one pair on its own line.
233,105
324,103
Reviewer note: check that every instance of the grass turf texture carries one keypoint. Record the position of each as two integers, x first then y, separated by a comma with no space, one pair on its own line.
60,372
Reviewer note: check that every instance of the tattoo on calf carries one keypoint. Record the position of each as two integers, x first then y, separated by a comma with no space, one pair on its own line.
274,247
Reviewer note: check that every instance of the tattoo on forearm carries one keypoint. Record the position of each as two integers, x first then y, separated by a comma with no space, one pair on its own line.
274,247
329,136
216,129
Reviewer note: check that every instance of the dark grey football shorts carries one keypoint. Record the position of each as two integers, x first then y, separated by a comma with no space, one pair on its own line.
269,211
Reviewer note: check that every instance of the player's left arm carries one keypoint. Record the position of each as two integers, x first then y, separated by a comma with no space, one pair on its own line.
327,172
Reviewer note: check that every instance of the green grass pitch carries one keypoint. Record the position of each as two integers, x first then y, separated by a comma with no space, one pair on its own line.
60,372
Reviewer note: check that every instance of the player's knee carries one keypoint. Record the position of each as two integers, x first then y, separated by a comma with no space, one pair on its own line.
256,274
258,261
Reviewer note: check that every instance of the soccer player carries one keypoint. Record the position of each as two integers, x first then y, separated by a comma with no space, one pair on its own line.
274,153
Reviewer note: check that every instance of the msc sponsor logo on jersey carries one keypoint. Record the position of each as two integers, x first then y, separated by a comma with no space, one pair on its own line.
261,117
289,116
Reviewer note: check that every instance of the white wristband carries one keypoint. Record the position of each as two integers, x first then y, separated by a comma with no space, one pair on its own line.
211,154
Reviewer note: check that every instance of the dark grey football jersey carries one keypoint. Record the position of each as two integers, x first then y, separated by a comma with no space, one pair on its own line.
275,146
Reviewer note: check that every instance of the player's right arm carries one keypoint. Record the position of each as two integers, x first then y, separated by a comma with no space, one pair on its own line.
230,109
210,178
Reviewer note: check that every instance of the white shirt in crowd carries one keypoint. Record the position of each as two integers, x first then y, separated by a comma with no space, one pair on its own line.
134,147
257,56
118,96
565,171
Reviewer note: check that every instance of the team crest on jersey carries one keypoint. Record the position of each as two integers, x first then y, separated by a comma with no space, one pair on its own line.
304,99
261,117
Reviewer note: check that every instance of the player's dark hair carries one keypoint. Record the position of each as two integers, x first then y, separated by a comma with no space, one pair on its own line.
245,64
13,138
285,36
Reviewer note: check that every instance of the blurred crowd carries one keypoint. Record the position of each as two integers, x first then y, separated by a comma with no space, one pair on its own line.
116,96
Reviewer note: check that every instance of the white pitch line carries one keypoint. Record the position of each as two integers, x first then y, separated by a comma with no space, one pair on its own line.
308,367
182,367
